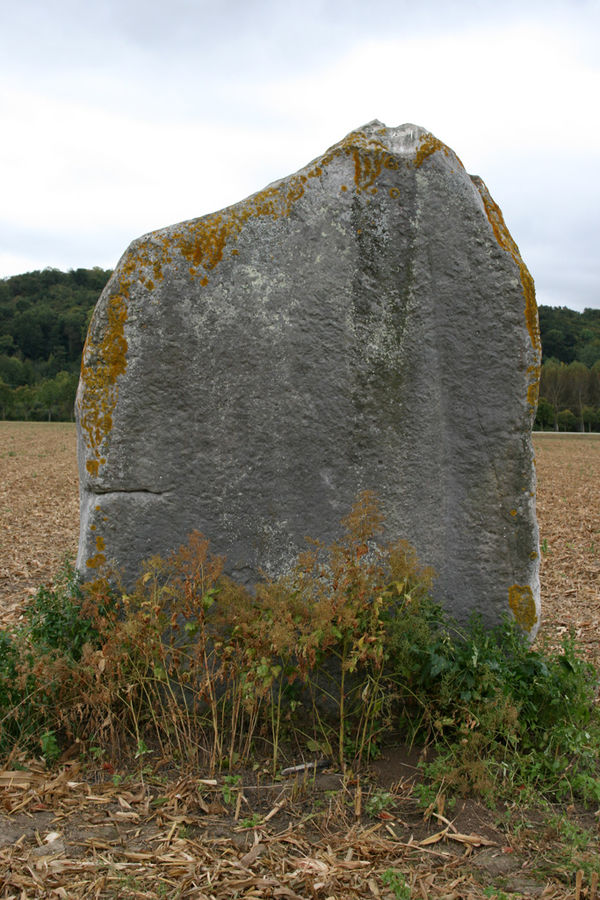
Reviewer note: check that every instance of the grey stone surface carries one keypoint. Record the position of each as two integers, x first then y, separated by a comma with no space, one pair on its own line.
365,323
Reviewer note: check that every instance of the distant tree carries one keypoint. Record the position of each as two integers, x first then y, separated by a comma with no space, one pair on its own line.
578,386
595,384
23,402
55,397
591,418
568,335
5,399
545,417
589,353
553,386
567,421
559,345
15,371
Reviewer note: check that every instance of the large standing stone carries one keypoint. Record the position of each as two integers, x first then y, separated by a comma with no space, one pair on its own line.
365,323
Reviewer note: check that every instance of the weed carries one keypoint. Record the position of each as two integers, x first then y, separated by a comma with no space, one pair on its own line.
50,749
142,749
379,802
496,894
396,882
96,753
62,618
231,782
252,821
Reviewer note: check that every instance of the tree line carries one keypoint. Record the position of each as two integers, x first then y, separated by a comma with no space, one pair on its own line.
44,317
570,377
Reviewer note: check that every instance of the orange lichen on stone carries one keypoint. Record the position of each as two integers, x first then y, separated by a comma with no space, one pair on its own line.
522,604
533,389
505,240
203,241
94,562
103,360
104,356
429,145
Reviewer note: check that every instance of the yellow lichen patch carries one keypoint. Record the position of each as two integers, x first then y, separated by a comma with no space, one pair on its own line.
505,240
203,241
104,359
366,168
513,512
533,389
429,145
522,604
104,356
94,562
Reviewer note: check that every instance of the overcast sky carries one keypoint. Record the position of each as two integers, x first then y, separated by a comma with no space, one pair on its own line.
122,116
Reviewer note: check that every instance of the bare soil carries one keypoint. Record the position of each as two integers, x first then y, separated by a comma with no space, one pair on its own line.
97,831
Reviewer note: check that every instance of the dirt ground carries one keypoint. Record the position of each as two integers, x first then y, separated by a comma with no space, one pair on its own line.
102,833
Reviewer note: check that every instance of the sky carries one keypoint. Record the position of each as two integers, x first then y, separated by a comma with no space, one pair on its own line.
123,116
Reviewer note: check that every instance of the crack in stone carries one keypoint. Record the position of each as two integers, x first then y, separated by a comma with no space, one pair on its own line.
102,493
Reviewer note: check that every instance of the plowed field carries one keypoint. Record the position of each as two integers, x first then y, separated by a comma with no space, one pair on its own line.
39,521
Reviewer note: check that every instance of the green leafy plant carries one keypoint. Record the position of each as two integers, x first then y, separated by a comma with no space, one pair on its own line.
50,749
251,821
379,802
228,792
62,618
396,882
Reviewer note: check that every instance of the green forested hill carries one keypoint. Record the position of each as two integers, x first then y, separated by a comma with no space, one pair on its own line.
43,323
44,318
568,335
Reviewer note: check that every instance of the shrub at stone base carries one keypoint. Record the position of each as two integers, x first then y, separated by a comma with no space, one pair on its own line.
345,652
